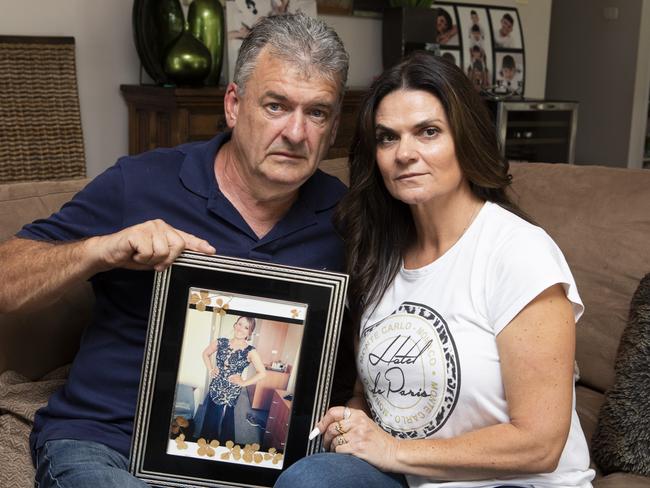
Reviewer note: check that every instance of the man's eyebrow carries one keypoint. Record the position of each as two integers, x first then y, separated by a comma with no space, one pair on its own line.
283,98
275,95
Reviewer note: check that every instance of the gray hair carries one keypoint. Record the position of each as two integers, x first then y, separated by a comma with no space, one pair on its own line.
305,42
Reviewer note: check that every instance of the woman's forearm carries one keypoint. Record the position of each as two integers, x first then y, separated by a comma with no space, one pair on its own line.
206,361
492,452
255,378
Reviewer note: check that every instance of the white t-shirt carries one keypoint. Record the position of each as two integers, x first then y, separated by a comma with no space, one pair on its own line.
428,356
504,41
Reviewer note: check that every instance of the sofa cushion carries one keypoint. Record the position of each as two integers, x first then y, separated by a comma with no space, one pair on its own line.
21,203
599,218
621,441
588,403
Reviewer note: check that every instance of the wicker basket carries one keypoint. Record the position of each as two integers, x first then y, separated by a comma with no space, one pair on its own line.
40,120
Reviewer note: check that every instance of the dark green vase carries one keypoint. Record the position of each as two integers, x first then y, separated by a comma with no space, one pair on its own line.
187,61
156,24
205,18
170,19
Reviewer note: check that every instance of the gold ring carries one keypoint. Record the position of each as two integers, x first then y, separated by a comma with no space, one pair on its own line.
346,413
339,428
340,440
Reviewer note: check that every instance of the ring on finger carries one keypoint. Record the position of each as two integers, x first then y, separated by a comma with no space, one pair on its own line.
340,440
339,428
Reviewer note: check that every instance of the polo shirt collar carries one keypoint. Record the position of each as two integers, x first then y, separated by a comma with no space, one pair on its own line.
197,169
314,196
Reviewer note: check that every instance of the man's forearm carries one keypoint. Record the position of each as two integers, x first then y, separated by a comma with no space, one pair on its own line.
39,272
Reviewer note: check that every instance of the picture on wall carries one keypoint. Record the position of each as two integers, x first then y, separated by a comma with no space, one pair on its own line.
491,47
510,73
506,28
242,14
446,25
452,55
477,46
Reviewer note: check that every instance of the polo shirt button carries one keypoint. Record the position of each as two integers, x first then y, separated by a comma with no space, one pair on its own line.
260,256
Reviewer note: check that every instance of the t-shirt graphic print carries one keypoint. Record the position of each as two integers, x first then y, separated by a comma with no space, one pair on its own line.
410,369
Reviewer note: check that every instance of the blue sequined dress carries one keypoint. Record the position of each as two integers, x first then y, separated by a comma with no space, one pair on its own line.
229,361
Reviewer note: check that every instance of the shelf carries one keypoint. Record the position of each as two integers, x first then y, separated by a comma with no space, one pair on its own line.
537,124
530,142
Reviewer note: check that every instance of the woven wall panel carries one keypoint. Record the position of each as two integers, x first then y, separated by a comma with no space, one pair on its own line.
40,120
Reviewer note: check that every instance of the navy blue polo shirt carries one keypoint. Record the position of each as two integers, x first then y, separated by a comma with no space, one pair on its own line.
177,185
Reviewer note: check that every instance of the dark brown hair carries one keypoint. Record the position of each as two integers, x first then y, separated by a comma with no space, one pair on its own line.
377,227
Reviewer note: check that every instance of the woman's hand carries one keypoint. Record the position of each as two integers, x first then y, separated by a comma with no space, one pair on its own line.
358,435
236,379
214,372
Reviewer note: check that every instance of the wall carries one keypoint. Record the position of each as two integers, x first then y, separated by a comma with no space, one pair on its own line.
106,56
640,112
603,64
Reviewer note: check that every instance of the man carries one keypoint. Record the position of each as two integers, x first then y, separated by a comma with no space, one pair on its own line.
504,38
254,193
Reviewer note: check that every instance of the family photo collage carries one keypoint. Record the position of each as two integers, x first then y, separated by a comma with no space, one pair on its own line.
485,42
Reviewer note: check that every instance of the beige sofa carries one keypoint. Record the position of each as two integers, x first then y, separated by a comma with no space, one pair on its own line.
599,216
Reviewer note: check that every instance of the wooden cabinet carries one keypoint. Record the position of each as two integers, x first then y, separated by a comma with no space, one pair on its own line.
167,116
277,423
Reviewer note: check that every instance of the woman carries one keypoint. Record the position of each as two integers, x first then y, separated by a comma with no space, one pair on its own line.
231,358
465,311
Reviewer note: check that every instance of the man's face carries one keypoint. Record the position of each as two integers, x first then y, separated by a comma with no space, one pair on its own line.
506,27
283,124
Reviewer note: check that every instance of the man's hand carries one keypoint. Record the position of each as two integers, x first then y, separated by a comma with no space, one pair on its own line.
151,245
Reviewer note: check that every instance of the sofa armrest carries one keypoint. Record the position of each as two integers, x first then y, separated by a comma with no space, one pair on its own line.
34,342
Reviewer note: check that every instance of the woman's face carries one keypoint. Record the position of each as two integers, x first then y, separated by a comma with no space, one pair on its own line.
242,329
441,24
416,154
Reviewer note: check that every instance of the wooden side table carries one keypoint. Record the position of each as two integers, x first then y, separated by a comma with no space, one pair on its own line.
165,117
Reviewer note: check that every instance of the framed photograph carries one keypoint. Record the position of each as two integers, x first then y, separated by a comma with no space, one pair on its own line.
452,55
477,45
237,370
446,25
242,14
510,74
506,28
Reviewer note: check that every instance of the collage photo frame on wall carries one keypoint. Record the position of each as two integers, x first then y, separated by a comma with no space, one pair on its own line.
486,42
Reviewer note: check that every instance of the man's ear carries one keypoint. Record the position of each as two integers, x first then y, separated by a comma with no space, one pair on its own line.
231,103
